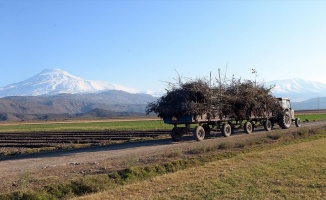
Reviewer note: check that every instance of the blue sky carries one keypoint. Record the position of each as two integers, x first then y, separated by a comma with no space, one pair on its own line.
141,44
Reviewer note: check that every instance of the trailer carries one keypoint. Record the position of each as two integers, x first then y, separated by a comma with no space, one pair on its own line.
213,120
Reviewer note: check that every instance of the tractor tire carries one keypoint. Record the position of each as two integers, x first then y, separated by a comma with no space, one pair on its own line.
248,127
267,125
297,122
177,133
199,133
226,130
285,120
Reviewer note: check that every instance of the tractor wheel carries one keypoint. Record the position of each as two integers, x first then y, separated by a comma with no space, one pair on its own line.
285,120
267,125
226,130
199,133
297,122
248,127
177,133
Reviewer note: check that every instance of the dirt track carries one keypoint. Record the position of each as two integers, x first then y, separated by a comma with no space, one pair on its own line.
65,164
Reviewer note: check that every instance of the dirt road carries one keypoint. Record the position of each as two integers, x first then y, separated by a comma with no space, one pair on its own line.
66,164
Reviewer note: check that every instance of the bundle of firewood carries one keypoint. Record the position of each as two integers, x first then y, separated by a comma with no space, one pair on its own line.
190,98
234,98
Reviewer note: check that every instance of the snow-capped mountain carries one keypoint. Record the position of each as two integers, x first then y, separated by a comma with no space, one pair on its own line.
298,89
57,81
152,93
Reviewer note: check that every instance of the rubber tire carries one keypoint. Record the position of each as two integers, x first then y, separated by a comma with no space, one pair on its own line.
177,133
297,122
267,125
199,133
285,120
226,130
248,127
207,129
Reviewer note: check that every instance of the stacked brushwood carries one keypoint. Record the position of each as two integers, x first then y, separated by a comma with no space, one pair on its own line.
233,99
190,98
247,99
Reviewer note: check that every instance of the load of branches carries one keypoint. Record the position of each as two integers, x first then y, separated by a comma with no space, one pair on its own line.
245,99
190,98
232,99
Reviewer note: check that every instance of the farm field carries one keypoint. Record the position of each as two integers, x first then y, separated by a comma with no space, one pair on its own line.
295,171
68,171
36,137
32,137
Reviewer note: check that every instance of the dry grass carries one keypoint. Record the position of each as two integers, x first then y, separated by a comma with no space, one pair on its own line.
296,171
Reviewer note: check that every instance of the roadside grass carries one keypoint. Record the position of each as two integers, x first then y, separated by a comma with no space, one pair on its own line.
266,166
295,171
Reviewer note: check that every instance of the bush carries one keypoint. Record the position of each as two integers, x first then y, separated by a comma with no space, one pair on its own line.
225,145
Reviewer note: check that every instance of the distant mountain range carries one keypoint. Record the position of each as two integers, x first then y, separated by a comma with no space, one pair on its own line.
56,94
58,81
298,89
310,104
113,103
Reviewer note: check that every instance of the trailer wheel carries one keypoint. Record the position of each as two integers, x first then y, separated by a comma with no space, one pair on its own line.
273,123
199,133
177,133
226,130
248,127
207,129
285,120
297,122
267,125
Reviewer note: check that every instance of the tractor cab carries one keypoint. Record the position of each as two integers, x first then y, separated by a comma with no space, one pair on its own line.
286,106
288,117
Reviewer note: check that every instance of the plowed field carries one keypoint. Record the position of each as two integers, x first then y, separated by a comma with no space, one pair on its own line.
13,143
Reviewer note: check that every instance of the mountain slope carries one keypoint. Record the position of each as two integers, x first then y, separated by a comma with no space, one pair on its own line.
101,104
310,104
298,89
117,101
57,81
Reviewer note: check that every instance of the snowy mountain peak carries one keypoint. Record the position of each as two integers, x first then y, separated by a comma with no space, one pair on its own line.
56,81
56,73
298,89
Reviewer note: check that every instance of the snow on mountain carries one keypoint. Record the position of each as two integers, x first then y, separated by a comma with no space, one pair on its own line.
57,81
152,93
298,89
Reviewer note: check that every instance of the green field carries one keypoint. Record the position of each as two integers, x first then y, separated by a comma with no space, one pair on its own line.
107,125
312,117
86,126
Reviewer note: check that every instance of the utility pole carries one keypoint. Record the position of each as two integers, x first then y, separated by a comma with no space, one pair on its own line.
254,71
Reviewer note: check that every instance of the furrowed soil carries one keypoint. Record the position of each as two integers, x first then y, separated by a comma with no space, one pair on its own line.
31,172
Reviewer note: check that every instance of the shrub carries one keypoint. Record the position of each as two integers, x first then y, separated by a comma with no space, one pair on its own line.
275,136
225,145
